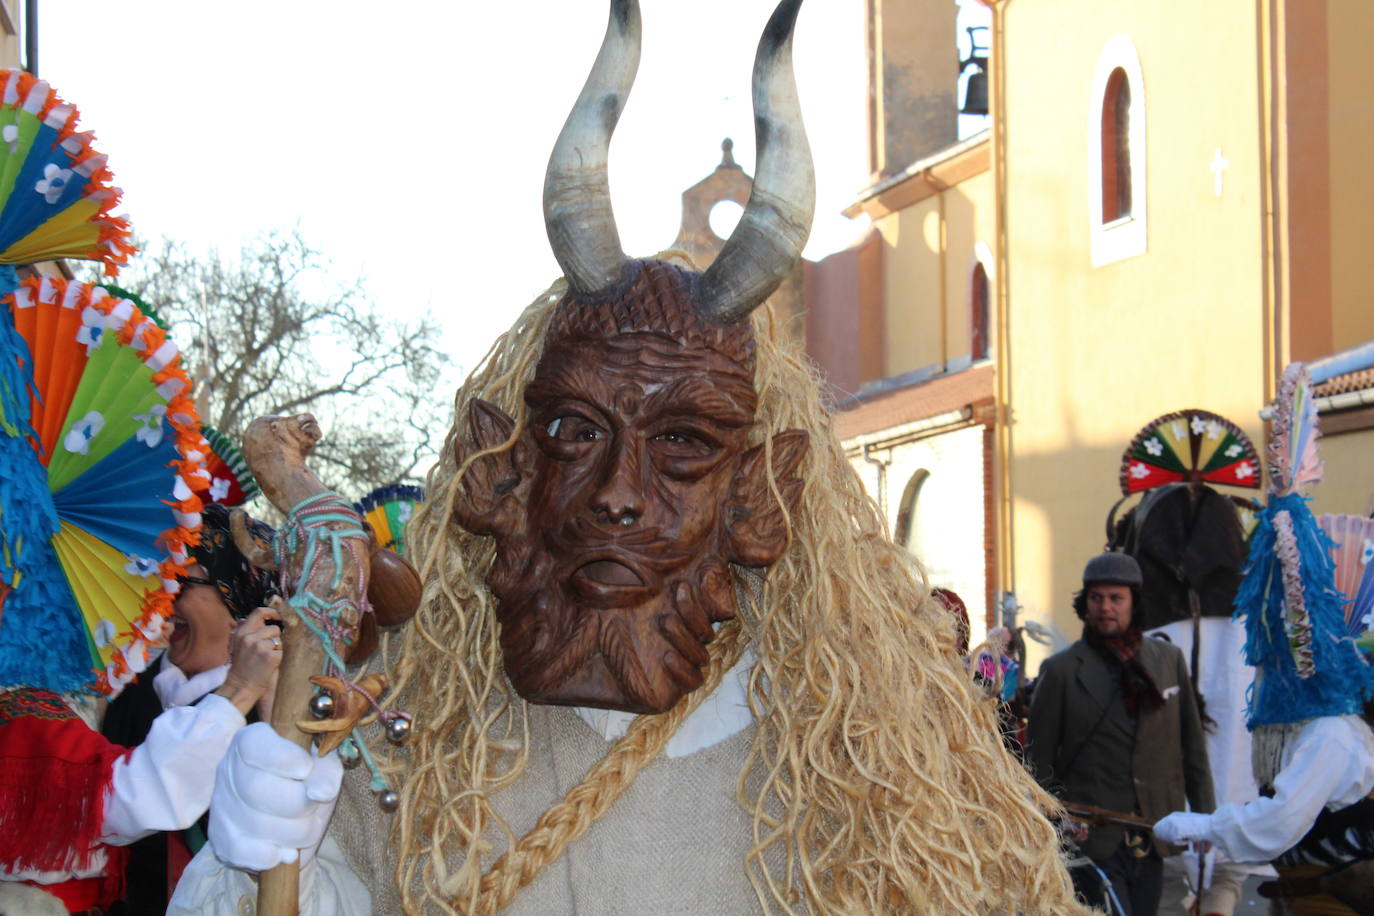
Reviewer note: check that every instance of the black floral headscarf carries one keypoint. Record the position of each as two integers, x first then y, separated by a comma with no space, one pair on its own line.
244,586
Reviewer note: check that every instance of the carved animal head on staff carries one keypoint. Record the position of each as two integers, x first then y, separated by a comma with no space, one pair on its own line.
280,446
619,506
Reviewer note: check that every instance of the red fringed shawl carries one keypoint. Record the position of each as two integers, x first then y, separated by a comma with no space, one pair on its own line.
54,773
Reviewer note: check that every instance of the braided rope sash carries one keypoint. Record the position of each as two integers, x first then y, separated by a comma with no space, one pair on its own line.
567,820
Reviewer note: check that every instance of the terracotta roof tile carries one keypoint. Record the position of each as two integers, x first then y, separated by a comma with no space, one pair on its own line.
1350,381
930,398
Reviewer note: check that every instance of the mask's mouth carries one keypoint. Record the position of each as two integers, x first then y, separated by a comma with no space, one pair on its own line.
610,583
611,572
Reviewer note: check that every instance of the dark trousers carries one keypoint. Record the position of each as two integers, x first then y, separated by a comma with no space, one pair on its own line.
1137,880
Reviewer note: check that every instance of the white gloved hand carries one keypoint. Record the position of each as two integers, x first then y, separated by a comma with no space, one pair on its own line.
271,799
1181,827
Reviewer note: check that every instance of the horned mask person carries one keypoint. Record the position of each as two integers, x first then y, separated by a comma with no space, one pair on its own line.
666,658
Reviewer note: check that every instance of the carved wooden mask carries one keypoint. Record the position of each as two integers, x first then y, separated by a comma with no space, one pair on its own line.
625,497
633,485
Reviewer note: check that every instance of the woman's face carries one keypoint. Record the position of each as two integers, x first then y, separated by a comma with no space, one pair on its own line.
201,624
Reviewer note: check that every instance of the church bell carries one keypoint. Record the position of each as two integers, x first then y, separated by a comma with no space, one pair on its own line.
976,94
976,88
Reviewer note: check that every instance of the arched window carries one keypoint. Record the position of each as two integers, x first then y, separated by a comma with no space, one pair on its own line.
1116,160
978,308
1116,148
906,512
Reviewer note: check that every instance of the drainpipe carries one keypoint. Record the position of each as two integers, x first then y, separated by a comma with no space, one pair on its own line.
1274,241
1343,401
31,36
882,467
1006,541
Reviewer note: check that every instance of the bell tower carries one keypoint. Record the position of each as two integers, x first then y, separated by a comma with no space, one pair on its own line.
913,65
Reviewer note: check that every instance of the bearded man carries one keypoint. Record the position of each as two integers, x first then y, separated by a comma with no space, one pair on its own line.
1114,724
666,659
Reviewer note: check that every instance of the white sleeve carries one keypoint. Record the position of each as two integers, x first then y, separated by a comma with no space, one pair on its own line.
328,887
165,783
1332,765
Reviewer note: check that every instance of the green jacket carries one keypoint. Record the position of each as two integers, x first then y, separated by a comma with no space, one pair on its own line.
1083,747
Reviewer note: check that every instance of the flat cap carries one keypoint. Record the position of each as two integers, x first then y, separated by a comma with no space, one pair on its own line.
1118,568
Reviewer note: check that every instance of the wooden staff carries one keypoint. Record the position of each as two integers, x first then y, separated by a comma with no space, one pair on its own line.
1092,814
302,657
275,449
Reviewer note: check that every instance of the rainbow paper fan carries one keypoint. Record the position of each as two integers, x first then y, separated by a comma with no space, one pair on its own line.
230,482
55,192
1193,446
106,474
1352,537
387,509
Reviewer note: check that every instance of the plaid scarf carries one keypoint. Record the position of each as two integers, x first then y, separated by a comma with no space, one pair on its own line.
1138,690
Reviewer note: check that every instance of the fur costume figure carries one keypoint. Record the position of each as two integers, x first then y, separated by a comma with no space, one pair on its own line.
642,509
875,779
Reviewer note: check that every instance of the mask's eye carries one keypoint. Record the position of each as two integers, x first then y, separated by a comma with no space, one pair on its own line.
684,442
677,438
573,428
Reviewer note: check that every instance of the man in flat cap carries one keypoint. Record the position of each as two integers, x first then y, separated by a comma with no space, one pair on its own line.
1114,724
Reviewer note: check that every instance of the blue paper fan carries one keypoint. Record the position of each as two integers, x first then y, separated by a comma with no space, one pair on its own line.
97,506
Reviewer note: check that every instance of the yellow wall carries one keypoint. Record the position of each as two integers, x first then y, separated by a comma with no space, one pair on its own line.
912,275
1348,484
1351,68
970,218
1098,352
11,54
911,288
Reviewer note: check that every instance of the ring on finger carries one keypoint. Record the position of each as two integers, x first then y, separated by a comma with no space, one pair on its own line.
276,642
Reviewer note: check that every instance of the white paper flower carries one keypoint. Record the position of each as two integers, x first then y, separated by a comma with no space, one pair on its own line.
53,182
1214,429
150,433
104,633
94,324
1199,426
10,135
1245,470
1368,553
404,513
83,431
1139,471
219,489
1233,450
140,566
1178,429
1154,446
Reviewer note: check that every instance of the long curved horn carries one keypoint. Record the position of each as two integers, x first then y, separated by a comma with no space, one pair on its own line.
577,196
772,232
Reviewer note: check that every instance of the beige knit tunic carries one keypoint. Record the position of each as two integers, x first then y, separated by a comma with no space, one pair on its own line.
674,842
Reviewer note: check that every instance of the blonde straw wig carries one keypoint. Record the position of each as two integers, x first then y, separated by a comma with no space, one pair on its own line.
877,780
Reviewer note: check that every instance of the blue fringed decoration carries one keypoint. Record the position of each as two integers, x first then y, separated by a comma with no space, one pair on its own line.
1342,681
42,641
15,384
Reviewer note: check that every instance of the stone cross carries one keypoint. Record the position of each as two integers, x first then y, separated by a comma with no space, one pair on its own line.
1219,165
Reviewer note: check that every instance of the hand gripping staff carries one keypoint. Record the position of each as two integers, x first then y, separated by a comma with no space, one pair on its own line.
323,555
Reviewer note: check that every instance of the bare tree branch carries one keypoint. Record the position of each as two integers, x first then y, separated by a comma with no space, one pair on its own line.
260,338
